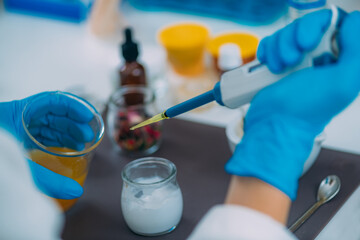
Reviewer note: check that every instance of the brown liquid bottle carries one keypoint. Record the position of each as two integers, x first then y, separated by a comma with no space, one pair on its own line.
132,72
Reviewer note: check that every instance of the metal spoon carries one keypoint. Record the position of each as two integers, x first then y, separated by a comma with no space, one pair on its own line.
328,188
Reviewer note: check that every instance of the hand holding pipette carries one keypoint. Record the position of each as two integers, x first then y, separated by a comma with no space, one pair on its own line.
239,86
284,119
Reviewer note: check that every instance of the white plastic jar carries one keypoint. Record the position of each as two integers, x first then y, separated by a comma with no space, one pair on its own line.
151,199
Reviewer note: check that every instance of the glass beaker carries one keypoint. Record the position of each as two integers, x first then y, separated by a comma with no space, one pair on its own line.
128,106
58,157
151,199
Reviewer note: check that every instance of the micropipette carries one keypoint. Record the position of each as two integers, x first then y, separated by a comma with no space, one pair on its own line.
237,87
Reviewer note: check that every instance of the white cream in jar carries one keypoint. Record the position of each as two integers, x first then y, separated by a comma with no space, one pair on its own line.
151,199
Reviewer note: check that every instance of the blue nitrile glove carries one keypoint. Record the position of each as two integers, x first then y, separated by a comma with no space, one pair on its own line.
56,120
285,117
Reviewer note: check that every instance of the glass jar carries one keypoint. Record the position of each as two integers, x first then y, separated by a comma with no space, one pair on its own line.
128,106
150,192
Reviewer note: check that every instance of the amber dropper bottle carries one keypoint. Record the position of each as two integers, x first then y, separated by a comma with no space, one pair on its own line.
132,72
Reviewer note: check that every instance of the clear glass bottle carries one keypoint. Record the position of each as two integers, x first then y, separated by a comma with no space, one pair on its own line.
129,106
151,199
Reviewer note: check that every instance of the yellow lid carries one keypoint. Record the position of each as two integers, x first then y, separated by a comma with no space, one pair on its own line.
184,35
247,43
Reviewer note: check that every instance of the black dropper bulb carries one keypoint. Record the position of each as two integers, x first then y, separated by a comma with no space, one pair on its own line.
129,47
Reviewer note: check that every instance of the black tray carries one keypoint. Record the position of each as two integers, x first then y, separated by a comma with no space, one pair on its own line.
200,153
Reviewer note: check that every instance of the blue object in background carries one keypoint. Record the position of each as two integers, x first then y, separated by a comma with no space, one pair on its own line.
69,10
306,4
252,12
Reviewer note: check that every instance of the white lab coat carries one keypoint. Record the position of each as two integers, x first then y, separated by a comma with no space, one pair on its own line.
28,214
232,222
25,213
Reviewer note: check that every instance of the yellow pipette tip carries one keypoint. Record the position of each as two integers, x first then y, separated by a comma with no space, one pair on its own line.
154,119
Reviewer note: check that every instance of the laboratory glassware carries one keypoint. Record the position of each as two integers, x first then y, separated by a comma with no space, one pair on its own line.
151,199
61,159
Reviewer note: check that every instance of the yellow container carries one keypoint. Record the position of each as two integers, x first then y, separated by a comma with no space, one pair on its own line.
185,46
247,43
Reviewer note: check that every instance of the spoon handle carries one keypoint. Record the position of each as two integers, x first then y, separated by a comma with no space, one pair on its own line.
305,216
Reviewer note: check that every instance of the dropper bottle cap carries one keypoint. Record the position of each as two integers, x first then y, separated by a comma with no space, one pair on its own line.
129,48
229,57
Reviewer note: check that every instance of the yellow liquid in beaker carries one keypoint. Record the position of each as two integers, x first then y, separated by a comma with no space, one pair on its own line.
73,167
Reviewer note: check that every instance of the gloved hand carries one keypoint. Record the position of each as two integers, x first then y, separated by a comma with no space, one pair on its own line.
55,120
285,117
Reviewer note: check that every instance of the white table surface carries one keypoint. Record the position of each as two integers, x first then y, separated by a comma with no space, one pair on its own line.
38,54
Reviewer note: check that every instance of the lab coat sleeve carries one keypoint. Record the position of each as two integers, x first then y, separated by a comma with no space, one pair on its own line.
237,222
25,212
